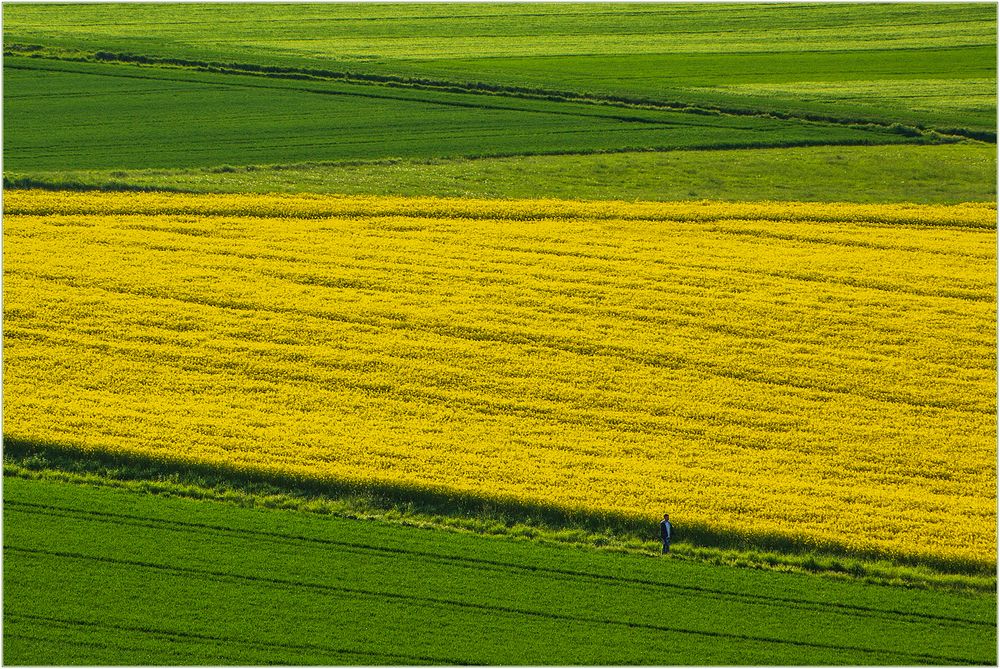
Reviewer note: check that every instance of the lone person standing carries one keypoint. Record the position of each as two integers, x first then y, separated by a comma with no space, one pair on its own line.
665,532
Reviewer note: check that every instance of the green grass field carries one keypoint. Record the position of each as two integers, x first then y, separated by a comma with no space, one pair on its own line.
254,586
942,174
83,115
757,58
88,88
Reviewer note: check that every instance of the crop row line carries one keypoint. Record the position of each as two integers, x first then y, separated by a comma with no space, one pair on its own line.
482,564
492,609
435,502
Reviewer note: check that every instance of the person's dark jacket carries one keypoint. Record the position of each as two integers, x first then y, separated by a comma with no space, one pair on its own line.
666,531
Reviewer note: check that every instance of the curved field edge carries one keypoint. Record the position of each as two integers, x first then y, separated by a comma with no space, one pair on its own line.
307,206
943,174
442,508
286,587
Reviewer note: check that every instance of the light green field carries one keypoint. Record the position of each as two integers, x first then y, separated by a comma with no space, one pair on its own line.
925,174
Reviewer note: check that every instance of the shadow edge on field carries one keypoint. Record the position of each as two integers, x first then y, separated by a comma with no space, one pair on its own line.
452,510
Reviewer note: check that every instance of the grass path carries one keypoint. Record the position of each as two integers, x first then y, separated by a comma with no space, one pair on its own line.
101,576
926,174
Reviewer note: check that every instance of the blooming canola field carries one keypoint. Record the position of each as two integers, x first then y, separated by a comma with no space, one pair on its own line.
824,372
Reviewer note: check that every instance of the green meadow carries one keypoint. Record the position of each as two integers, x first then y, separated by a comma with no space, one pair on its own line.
181,581
942,174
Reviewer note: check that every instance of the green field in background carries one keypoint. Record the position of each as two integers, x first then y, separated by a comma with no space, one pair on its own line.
85,116
926,64
532,79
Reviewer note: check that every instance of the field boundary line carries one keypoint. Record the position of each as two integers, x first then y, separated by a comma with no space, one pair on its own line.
452,503
36,202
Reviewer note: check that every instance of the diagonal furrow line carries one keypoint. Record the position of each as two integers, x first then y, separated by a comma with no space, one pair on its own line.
850,243
482,563
389,93
209,638
488,608
502,91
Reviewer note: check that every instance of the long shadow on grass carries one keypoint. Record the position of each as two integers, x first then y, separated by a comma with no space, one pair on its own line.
420,500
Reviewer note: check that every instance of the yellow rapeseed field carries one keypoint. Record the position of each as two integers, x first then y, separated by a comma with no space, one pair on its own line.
822,371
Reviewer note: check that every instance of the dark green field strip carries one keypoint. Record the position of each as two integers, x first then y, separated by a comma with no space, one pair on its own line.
122,116
315,582
925,93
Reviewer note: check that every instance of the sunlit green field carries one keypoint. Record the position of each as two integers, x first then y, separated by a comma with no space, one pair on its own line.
203,583
761,57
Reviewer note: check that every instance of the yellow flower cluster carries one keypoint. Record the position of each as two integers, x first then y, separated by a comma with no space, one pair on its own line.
823,371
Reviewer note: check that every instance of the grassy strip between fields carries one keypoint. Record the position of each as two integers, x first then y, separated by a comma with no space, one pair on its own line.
942,174
49,462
